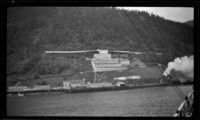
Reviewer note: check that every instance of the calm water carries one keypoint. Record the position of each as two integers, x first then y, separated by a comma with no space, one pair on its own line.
157,101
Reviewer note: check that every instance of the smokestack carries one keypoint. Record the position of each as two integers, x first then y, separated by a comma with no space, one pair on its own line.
183,65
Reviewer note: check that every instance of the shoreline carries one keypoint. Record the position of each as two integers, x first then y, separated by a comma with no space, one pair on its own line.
84,90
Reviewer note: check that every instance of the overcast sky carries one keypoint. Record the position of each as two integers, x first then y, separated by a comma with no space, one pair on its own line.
179,14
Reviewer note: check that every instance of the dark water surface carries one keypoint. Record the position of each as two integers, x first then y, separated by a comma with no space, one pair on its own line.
156,101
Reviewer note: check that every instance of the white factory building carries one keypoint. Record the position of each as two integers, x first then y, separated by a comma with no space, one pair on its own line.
104,62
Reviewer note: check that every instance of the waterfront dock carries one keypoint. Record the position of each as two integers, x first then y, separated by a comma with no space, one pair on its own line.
82,90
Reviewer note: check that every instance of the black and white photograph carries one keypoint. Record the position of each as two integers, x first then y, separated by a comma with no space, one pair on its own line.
100,61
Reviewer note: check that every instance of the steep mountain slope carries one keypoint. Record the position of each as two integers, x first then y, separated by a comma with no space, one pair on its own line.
32,30
190,23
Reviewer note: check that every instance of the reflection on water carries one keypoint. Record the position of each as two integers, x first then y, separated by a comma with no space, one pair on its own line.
157,101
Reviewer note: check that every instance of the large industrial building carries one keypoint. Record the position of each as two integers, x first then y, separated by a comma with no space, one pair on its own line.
104,62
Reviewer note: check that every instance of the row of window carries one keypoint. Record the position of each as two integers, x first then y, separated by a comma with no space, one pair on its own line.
105,61
108,65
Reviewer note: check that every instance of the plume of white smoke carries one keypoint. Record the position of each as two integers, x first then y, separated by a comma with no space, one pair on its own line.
184,64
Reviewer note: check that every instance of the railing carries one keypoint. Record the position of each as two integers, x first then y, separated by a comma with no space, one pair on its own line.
186,107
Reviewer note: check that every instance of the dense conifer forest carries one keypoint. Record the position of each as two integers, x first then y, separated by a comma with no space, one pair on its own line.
32,30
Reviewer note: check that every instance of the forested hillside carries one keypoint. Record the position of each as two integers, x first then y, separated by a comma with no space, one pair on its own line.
32,30
190,23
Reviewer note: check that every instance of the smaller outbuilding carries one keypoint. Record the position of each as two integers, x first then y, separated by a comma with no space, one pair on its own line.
75,83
